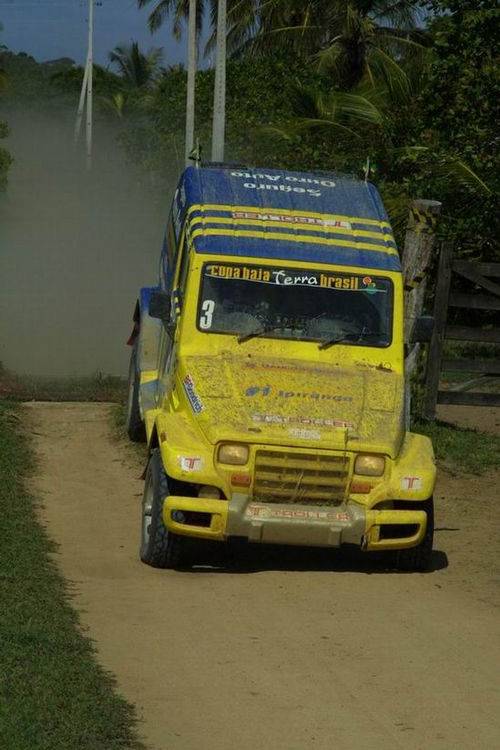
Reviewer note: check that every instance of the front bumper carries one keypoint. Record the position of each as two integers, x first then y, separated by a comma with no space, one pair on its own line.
298,525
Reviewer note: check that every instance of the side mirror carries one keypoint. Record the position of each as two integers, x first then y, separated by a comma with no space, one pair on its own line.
160,305
422,329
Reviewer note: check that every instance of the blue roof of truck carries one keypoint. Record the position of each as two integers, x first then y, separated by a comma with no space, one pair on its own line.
269,213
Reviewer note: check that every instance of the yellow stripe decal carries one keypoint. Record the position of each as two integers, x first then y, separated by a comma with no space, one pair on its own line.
286,212
310,239
306,227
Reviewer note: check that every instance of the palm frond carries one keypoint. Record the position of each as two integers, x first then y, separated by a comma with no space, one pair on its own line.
391,73
396,12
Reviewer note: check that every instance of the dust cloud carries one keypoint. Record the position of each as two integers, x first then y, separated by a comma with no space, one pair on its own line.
74,249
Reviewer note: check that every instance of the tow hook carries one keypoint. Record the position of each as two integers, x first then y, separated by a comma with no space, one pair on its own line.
364,542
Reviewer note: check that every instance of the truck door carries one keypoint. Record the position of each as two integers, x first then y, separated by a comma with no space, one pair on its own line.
170,332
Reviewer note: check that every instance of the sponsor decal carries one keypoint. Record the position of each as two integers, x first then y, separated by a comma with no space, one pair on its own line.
302,434
196,403
262,511
286,367
266,390
369,285
284,183
411,483
191,463
287,277
315,221
316,422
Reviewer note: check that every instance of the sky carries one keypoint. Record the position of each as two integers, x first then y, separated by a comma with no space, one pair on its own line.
48,29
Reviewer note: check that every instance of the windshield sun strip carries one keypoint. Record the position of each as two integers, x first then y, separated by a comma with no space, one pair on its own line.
273,330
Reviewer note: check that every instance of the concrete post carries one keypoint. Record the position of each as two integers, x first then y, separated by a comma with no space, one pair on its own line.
218,128
191,79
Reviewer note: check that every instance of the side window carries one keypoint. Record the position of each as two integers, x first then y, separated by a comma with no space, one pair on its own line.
181,275
167,264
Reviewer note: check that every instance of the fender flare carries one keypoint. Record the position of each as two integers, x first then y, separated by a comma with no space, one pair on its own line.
147,330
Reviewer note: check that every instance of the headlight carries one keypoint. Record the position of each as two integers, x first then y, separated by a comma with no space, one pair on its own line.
233,454
370,466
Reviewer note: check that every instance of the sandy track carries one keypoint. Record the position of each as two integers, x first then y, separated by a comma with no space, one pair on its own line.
282,649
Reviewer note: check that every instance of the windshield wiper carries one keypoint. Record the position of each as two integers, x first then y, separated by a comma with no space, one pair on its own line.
338,340
349,336
258,332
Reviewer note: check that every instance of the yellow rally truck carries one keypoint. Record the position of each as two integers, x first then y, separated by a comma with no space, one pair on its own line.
267,372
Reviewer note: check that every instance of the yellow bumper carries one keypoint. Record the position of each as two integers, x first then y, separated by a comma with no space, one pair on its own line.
206,518
381,534
372,530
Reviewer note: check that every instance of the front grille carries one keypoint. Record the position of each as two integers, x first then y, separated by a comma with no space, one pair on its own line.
289,477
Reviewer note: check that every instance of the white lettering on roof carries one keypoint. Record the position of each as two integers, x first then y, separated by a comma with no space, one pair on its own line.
316,221
269,182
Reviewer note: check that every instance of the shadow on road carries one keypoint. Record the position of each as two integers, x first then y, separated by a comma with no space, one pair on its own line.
254,558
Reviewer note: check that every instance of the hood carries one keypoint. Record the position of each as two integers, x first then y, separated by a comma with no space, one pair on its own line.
294,402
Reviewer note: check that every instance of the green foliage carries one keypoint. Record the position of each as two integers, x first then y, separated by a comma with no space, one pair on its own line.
5,157
258,92
176,8
460,112
97,387
53,694
69,81
137,69
329,85
28,80
461,449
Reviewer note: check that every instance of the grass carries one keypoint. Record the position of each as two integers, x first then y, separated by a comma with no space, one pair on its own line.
460,448
53,693
97,387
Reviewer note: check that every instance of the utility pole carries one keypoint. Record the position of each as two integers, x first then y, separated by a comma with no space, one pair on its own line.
81,104
90,63
86,90
219,121
192,61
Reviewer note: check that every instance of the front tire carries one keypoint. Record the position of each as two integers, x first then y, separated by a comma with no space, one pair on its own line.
418,558
159,547
133,420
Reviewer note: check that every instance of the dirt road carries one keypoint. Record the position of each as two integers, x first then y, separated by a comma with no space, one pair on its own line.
281,649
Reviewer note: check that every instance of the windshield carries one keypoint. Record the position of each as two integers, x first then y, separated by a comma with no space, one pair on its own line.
308,305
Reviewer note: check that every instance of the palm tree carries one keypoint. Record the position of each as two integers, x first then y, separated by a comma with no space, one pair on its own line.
178,8
138,69
350,38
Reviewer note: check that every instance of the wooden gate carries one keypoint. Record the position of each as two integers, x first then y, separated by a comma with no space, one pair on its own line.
445,298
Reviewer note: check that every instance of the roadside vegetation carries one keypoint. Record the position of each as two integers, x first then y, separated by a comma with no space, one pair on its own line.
53,694
404,92
97,387
460,450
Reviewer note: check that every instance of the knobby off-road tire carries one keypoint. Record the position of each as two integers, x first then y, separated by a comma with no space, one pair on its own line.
159,547
418,558
133,422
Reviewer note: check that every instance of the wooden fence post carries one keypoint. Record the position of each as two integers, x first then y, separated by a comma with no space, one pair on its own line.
420,244
435,352
419,248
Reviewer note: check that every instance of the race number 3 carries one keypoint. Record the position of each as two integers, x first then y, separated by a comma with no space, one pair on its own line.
207,309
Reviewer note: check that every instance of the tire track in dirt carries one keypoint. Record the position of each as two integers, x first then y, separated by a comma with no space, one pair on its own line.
283,649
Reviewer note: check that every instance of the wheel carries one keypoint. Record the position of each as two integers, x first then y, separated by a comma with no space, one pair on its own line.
133,421
159,547
418,558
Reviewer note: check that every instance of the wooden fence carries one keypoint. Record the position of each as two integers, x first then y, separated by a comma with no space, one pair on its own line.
445,298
